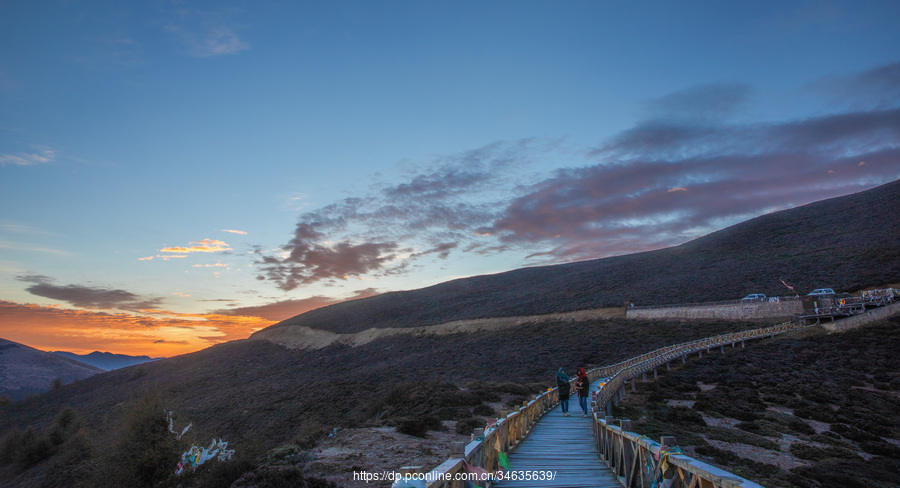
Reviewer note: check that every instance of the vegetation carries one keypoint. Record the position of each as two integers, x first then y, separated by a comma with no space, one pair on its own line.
825,402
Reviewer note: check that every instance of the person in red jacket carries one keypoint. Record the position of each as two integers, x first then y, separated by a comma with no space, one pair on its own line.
583,387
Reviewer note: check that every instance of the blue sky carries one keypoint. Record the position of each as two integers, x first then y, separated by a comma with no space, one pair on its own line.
174,174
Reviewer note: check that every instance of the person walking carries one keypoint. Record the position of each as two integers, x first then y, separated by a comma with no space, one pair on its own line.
583,387
562,382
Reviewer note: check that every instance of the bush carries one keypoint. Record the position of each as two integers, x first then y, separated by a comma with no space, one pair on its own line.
418,426
66,423
684,415
34,448
485,411
812,453
467,426
146,452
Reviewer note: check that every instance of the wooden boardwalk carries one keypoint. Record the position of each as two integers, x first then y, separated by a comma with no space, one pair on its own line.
564,446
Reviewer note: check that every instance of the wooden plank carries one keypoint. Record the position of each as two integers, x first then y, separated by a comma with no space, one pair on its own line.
564,446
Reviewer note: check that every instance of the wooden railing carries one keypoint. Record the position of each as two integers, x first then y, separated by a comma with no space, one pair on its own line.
509,430
636,460
627,453
629,369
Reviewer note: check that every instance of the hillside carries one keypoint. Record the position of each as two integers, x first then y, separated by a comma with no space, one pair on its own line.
815,410
845,243
258,396
106,361
25,370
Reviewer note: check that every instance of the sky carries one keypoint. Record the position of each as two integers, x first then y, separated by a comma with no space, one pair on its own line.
176,174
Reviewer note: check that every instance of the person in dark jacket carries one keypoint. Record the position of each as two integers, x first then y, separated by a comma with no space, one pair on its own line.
562,382
583,387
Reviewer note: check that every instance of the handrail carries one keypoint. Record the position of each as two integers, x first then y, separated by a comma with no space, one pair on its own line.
635,459
620,372
509,430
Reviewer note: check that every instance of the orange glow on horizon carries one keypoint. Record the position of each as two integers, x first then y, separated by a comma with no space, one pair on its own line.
157,334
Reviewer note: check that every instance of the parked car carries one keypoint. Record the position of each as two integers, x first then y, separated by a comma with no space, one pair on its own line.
821,291
754,297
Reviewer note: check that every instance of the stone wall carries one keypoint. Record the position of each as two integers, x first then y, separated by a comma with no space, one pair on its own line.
737,311
863,319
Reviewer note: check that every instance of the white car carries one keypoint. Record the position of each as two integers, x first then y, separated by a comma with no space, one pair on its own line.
754,297
821,291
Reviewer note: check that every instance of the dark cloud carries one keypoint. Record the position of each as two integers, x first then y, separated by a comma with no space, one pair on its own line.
705,102
875,89
87,296
674,182
431,213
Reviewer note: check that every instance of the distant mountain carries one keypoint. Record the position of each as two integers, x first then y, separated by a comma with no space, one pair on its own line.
25,370
845,243
106,361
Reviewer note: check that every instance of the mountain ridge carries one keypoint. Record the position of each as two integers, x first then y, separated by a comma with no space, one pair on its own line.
25,370
830,243
106,361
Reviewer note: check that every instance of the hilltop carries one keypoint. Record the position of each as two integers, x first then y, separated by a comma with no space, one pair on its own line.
845,243
26,371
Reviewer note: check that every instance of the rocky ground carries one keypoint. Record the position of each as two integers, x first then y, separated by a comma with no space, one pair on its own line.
349,454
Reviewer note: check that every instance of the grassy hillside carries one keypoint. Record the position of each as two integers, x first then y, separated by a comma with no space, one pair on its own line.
257,395
805,410
845,243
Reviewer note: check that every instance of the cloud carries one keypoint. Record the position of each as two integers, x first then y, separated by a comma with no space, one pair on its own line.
160,334
874,89
206,245
666,181
41,155
436,208
86,296
20,246
698,162
239,232
705,102
207,34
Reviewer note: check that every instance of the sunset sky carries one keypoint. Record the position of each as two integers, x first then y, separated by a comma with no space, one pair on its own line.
174,174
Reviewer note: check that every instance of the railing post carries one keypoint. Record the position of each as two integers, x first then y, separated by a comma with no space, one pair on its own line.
457,449
627,452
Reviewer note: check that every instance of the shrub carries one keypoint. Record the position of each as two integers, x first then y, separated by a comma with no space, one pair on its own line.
485,411
9,445
418,426
467,426
33,449
66,423
813,453
685,415
146,452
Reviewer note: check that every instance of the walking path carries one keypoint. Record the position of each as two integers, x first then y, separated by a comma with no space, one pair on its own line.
565,447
